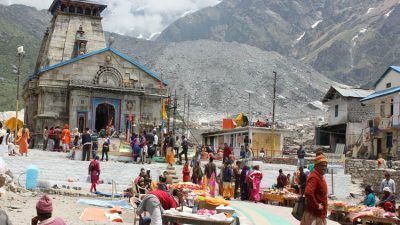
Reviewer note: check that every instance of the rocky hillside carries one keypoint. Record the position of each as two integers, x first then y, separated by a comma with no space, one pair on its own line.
216,75
349,41
19,25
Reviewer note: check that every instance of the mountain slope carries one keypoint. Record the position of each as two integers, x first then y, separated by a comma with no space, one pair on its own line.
350,41
216,75
19,25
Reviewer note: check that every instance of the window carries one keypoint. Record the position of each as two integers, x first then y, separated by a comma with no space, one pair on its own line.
82,102
388,85
382,109
336,110
391,108
389,140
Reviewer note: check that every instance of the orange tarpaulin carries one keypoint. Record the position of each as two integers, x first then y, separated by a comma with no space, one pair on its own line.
94,214
228,124
10,123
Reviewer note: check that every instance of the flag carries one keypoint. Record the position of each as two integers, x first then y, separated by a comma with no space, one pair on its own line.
239,120
164,111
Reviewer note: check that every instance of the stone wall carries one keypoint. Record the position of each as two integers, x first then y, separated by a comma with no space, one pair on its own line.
286,161
375,177
357,112
369,173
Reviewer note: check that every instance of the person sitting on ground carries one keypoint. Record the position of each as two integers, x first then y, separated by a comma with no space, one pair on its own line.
281,180
262,153
289,179
162,183
44,210
388,202
369,197
168,177
155,203
178,196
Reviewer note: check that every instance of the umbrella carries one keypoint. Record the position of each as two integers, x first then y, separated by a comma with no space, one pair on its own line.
10,123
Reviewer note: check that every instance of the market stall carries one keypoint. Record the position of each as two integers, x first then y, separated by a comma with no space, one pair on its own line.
360,214
173,216
283,197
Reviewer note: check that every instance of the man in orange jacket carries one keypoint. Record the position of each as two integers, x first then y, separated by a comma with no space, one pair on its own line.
316,194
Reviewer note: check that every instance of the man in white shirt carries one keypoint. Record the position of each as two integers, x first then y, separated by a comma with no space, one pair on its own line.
387,182
155,140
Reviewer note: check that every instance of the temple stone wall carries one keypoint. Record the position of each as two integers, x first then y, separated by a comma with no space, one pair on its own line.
62,37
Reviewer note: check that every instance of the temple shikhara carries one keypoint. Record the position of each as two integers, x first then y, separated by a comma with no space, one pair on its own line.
80,81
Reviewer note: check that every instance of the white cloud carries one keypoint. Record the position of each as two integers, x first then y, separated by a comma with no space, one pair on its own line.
135,17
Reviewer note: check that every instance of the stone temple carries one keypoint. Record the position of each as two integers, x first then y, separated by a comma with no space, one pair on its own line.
80,81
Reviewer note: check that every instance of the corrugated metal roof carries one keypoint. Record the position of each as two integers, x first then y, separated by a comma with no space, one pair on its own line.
395,68
353,92
381,93
346,91
127,58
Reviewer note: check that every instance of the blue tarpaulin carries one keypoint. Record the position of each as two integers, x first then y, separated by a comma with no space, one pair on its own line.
106,203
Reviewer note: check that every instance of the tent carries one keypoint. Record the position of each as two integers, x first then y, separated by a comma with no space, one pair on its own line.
10,123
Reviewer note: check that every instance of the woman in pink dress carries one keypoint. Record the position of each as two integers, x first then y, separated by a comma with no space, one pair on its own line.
94,172
255,178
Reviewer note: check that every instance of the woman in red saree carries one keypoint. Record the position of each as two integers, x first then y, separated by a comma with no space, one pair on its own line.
186,172
255,178
94,172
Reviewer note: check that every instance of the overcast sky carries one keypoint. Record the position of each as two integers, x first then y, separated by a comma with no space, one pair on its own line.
138,18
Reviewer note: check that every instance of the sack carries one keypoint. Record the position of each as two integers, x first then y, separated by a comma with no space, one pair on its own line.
298,209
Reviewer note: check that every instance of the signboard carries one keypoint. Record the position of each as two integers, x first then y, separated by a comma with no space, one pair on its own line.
385,124
335,158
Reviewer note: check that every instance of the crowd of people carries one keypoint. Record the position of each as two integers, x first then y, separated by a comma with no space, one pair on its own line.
16,145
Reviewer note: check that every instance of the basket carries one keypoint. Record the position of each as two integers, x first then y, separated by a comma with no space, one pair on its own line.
204,205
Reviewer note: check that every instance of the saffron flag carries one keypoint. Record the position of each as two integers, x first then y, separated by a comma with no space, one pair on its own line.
164,111
239,120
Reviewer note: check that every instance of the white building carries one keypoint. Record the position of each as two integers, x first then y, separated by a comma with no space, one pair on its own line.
346,114
382,129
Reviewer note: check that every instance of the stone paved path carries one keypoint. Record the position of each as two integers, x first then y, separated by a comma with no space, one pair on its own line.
256,214
55,168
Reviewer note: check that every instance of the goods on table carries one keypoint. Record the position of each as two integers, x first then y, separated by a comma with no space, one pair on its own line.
205,212
216,201
279,195
185,186
360,211
215,217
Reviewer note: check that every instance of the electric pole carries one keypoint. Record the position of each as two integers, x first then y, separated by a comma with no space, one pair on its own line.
173,122
274,100
187,122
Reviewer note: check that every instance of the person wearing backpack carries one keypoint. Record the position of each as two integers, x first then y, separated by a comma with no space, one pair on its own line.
227,175
106,148
185,147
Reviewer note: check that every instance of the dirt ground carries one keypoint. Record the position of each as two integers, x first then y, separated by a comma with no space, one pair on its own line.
21,208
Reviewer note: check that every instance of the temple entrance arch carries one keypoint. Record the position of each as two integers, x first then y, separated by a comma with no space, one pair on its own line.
105,116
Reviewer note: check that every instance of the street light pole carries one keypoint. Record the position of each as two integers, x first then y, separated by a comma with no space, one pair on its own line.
249,92
17,70
273,101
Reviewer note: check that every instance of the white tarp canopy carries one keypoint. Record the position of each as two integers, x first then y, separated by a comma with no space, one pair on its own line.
8,114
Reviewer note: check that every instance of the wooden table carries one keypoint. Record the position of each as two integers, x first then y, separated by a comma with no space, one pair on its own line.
274,198
170,219
379,220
